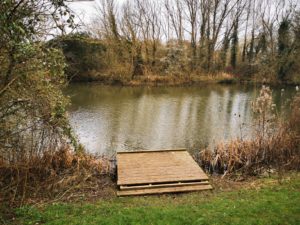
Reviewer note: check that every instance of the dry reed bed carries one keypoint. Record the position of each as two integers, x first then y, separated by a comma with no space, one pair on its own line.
253,157
274,146
58,176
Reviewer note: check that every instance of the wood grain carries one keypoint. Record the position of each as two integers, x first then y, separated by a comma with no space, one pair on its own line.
159,171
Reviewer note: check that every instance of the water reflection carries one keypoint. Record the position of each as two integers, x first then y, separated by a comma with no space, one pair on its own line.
108,119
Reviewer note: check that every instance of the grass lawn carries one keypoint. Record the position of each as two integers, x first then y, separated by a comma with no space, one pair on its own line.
267,203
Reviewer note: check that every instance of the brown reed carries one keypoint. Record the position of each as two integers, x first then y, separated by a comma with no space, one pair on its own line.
274,145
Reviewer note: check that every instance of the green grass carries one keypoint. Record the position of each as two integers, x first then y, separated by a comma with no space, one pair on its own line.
271,204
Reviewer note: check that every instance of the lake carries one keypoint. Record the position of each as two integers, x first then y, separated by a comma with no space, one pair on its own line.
107,119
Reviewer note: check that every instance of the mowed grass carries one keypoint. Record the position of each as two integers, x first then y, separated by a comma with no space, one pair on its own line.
271,203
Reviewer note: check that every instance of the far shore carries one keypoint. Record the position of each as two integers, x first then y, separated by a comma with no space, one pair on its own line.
156,80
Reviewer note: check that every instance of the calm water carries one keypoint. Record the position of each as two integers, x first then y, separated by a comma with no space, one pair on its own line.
108,119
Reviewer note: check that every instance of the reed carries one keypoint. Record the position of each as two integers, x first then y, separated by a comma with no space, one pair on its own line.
274,145
60,175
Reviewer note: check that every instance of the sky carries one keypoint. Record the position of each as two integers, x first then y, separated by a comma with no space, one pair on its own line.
86,9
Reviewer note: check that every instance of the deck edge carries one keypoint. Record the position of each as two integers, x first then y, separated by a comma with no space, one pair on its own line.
147,151
123,193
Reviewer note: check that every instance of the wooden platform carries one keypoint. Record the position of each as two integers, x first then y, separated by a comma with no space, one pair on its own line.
159,171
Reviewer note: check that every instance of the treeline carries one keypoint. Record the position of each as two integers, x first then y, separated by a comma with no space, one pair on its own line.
250,39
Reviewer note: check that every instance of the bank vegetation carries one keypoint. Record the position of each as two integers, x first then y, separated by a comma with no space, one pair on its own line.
39,155
274,145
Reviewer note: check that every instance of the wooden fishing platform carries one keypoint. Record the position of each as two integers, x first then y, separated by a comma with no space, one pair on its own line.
159,171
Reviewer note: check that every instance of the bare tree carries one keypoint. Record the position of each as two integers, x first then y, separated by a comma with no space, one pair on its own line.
155,27
192,11
211,27
213,14
106,20
130,31
246,30
175,15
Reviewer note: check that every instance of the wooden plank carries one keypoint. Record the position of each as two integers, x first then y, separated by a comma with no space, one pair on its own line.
146,151
152,180
157,166
164,190
163,185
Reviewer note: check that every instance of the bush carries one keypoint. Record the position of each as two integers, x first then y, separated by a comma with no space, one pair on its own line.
83,55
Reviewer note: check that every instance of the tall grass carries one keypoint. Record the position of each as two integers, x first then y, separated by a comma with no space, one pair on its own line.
274,145
58,175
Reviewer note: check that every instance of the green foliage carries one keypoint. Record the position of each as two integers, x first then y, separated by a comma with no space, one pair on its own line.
32,112
32,105
25,21
284,49
83,54
234,46
296,46
223,54
262,43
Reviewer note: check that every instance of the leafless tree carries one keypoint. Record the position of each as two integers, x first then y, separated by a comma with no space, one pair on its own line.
175,15
191,14
130,27
106,20
208,25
